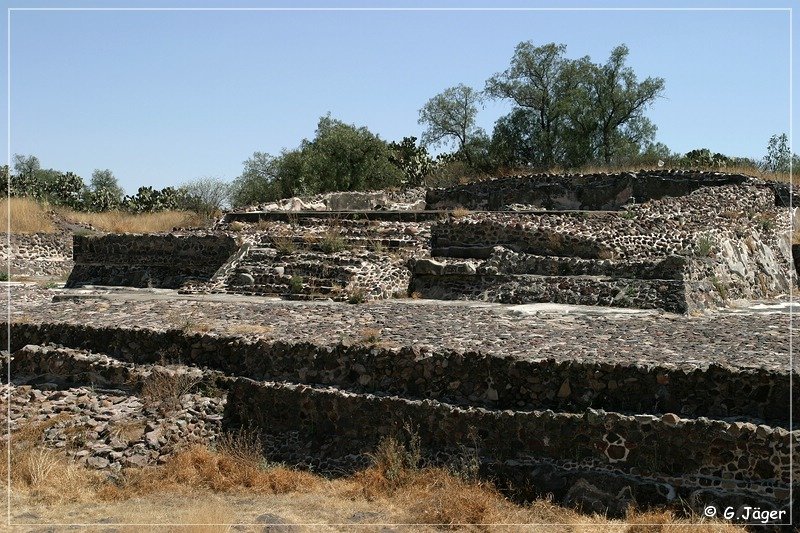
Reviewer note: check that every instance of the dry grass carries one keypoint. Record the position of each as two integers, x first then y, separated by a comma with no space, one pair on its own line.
249,329
124,222
370,337
200,469
45,474
284,244
164,388
208,516
332,241
27,216
198,478
459,212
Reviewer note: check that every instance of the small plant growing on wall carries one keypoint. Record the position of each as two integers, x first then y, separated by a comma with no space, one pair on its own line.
284,245
720,287
459,212
370,336
296,284
704,246
357,296
332,242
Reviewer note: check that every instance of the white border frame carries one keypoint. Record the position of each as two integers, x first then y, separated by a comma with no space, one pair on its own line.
384,9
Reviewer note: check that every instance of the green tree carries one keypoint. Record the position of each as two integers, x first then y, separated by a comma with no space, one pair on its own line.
5,184
779,155
538,80
618,102
514,140
413,160
450,116
575,111
258,181
205,195
341,157
104,180
26,165
23,181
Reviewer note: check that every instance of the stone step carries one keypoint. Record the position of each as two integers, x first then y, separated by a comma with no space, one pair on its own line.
499,260
348,241
646,457
304,257
468,379
51,363
666,294
301,269
393,216
308,291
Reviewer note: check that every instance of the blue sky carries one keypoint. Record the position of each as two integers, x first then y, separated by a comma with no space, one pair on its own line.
161,97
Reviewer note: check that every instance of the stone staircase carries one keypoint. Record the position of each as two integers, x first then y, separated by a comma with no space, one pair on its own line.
518,273
349,260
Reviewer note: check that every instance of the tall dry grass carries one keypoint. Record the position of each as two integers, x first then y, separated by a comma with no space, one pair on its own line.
440,496
414,495
44,474
124,222
27,216
30,216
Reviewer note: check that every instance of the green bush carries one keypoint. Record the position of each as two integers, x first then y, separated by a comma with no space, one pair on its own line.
296,284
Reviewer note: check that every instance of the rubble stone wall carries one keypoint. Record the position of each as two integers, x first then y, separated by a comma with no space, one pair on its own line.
166,261
576,191
459,378
687,454
37,254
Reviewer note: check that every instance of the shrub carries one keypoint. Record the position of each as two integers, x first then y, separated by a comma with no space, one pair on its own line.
459,212
357,296
332,242
164,389
703,246
296,284
413,160
284,245
370,336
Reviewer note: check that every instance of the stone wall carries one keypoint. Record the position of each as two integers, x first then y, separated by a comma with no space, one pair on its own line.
669,295
458,378
748,462
576,191
166,261
37,254
707,249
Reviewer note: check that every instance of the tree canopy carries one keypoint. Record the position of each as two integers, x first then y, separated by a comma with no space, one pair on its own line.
340,157
569,112
450,116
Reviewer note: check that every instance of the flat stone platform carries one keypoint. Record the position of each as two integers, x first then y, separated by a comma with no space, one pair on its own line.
751,337
394,216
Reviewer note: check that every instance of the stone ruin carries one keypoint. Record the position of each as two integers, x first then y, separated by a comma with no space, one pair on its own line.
599,411
671,240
